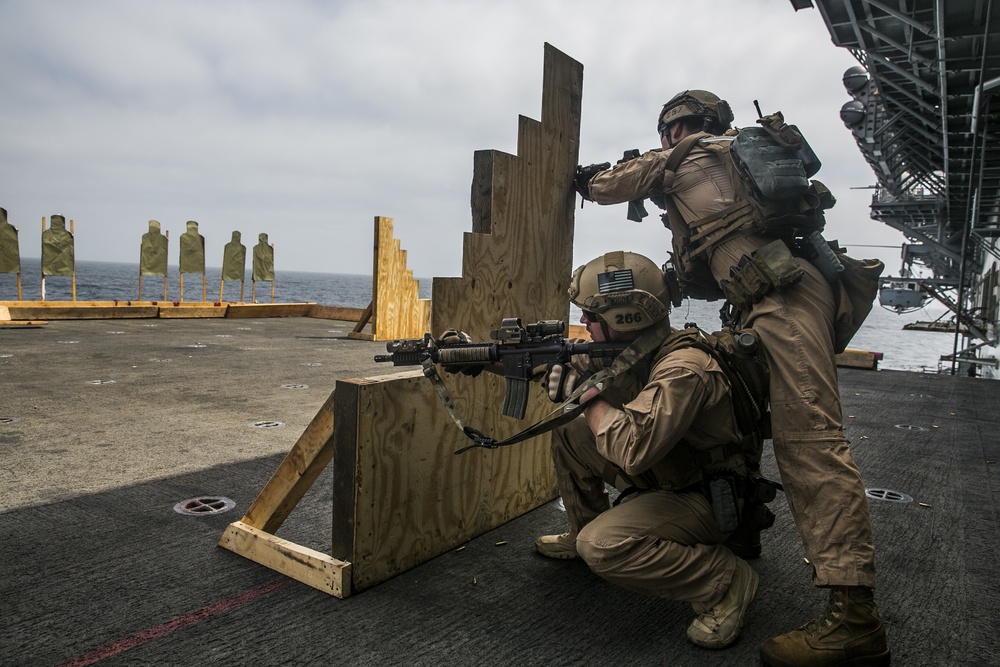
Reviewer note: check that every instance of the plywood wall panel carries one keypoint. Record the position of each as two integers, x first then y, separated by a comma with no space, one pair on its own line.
413,499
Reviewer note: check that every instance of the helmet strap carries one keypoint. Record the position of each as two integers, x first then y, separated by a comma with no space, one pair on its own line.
605,329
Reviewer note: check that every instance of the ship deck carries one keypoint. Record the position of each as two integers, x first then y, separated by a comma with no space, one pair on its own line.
98,567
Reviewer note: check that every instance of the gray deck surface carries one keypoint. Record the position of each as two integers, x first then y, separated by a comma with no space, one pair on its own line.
98,568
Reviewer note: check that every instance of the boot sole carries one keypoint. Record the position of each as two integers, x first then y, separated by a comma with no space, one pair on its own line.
880,660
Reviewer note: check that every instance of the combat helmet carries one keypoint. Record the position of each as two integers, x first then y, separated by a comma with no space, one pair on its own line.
716,112
624,290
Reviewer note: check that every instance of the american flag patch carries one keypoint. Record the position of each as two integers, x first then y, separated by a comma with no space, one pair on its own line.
615,281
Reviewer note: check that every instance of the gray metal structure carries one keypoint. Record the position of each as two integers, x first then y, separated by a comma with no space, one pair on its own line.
925,112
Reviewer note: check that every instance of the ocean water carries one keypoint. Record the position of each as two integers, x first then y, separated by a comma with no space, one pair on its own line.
883,332
111,281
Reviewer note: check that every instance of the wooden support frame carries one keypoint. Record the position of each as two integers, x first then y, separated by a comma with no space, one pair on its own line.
359,328
400,495
253,536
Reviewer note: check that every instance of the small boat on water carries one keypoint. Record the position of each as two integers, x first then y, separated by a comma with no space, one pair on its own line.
902,295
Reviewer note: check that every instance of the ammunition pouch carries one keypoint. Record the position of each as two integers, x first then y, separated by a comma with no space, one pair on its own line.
724,498
740,502
770,268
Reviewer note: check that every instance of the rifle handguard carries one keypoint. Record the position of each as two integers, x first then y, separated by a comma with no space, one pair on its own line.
465,355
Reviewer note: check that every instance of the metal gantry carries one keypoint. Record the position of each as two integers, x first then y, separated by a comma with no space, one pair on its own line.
925,112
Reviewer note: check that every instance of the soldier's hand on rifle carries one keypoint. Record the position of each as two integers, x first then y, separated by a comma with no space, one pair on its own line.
561,378
559,381
456,337
581,183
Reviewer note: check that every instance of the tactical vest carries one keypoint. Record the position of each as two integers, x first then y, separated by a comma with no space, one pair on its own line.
745,368
787,206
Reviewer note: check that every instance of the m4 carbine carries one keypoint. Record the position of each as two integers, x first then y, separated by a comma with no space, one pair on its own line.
523,351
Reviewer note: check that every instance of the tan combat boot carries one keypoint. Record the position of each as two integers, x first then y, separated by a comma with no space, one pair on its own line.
848,634
721,625
557,546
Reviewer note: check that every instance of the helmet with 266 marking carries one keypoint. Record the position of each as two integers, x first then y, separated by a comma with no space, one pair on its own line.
624,290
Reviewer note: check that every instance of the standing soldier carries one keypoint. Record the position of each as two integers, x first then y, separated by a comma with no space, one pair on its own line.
714,242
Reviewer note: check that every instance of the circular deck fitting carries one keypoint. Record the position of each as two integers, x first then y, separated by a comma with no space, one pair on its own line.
266,423
294,386
100,381
4,421
889,495
910,427
203,505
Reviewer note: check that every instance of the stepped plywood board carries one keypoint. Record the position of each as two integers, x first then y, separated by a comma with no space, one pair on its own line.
399,310
400,495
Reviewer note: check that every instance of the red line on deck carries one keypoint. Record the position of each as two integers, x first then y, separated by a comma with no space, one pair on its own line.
164,629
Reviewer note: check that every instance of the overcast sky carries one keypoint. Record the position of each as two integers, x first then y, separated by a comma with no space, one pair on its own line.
305,120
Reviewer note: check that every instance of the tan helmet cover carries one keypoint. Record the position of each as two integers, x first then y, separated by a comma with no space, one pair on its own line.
624,289
690,103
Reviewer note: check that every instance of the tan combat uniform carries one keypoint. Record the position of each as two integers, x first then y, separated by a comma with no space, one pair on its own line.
663,541
822,483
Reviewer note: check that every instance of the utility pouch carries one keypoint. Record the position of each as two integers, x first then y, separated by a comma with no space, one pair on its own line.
854,295
770,268
772,168
725,508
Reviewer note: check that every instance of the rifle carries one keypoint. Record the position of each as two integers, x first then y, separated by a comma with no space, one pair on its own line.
636,209
520,349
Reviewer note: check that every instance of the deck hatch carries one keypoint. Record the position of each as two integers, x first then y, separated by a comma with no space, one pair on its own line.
266,423
888,495
203,505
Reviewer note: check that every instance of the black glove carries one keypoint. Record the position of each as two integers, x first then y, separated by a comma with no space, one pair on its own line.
584,175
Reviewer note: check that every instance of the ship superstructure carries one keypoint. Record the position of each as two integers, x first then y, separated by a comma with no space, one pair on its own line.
924,109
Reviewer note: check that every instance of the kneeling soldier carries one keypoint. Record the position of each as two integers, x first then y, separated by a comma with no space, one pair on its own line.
664,433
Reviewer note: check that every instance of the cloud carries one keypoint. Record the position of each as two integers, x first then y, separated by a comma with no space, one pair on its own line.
305,119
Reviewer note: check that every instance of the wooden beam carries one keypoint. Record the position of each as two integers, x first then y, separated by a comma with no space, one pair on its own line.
301,466
306,565
335,313
366,316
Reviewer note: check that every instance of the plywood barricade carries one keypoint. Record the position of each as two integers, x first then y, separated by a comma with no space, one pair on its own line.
400,495
396,310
